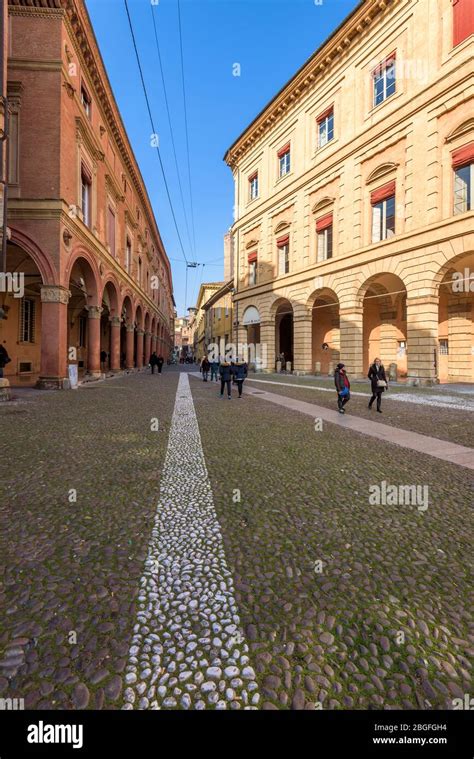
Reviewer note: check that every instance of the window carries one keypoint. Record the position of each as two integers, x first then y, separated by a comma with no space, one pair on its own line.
252,261
383,212
463,20
128,255
86,101
384,80
325,122
463,166
284,162
140,272
13,148
253,186
324,236
218,312
27,320
86,194
111,230
283,255
443,347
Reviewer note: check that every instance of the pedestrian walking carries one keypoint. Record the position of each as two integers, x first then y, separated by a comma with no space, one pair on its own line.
160,361
378,381
4,359
205,366
225,373
240,371
214,370
103,359
343,387
153,362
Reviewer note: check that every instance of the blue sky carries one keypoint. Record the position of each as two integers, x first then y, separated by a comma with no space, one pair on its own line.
270,39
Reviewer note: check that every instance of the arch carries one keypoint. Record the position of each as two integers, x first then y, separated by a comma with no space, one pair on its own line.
455,289
323,305
46,267
322,204
126,309
282,226
83,262
139,316
383,297
250,316
111,291
382,171
463,128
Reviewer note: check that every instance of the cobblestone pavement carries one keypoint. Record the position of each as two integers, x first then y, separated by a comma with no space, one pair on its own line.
444,423
345,604
342,604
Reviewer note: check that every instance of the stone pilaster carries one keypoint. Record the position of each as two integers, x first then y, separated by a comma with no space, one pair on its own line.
351,328
54,301
422,340
302,347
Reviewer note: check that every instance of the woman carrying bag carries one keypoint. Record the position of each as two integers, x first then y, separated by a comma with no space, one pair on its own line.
343,387
379,383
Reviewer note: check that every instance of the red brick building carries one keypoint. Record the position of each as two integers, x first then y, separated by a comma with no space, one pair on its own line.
83,238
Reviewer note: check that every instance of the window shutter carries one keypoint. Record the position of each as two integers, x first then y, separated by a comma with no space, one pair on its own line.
252,257
382,193
463,20
283,150
324,222
324,114
282,241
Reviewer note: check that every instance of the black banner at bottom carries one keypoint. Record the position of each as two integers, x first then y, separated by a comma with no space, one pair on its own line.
436,734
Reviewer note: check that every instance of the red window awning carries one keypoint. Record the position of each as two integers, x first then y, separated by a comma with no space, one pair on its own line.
252,257
324,222
324,114
253,176
283,241
283,150
382,193
463,20
463,156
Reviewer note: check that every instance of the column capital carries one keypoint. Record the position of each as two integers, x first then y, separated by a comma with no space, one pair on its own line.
94,312
140,331
55,294
130,328
147,333
115,321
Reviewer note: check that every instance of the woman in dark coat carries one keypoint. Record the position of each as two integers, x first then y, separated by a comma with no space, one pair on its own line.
205,366
240,371
225,373
343,387
379,383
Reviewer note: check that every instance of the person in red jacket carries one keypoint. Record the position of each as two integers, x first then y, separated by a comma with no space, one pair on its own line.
343,387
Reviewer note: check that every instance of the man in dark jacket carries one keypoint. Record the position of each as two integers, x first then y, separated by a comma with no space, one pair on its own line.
225,373
378,381
159,363
4,359
343,386
153,361
240,371
205,366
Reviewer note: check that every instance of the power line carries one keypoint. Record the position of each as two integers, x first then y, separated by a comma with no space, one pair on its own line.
186,126
170,126
153,128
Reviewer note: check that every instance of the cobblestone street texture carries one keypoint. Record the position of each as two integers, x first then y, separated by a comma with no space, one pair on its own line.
231,558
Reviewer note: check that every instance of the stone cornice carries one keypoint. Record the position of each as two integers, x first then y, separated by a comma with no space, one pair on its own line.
86,134
308,76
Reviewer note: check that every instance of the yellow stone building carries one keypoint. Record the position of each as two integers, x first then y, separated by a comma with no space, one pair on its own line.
218,318
198,322
353,231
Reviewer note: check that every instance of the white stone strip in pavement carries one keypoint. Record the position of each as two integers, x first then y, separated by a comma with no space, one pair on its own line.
188,649
431,399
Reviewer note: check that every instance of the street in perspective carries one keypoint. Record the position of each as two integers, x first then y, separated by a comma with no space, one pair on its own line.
237,373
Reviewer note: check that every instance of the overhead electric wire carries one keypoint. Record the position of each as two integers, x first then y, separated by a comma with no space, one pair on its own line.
186,125
171,129
153,128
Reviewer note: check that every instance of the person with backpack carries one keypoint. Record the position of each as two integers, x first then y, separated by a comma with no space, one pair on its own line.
159,362
225,373
343,387
153,361
378,381
4,360
205,366
240,371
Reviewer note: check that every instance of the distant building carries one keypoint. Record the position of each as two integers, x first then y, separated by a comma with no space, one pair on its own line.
218,318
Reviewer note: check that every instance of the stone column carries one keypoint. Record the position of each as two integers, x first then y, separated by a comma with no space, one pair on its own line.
351,321
93,341
147,346
54,348
422,339
302,347
130,347
140,333
267,341
115,343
